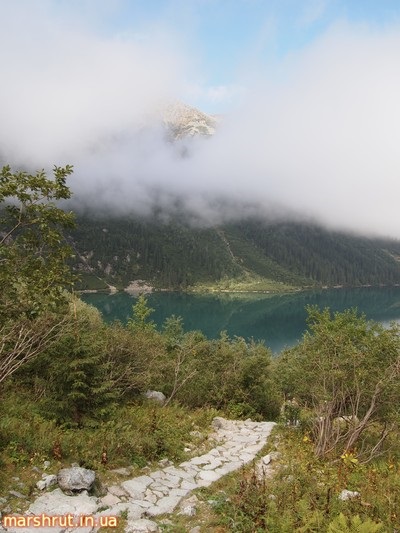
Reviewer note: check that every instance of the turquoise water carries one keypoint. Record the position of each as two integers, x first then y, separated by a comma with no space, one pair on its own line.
278,320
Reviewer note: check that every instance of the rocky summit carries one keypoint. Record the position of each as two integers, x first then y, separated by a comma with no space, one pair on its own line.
182,121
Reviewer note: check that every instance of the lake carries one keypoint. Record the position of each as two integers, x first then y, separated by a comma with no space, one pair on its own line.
278,320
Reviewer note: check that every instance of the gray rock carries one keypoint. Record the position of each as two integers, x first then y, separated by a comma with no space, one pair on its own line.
188,507
219,423
141,526
46,465
164,505
275,456
134,510
150,497
165,462
109,500
195,529
58,503
161,491
46,482
348,495
209,475
187,485
76,479
17,494
137,487
116,490
157,396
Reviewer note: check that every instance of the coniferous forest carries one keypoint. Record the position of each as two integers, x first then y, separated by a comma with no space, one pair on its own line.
176,255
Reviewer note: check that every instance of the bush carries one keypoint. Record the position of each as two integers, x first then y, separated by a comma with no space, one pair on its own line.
346,372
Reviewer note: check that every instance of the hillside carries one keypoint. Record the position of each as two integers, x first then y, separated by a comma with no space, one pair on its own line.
246,255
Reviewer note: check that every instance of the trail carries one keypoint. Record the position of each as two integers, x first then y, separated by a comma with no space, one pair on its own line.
222,236
145,497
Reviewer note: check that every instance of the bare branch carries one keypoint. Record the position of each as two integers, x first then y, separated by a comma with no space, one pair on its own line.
23,341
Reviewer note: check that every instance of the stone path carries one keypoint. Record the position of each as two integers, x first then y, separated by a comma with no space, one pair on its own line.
156,493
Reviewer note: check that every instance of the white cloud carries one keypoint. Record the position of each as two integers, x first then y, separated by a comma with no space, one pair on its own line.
317,133
64,87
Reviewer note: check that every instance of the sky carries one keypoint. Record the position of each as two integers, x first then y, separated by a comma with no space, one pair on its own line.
308,92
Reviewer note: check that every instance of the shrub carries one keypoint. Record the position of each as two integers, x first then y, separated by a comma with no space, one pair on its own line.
346,371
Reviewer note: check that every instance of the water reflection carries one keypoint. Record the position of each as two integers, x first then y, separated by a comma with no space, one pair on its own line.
279,320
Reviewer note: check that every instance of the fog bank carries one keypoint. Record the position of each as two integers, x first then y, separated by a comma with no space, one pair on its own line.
314,134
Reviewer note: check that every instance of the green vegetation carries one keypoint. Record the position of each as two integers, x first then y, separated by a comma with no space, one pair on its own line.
170,255
252,255
303,494
246,283
353,403
84,394
72,386
322,256
341,426
33,259
33,252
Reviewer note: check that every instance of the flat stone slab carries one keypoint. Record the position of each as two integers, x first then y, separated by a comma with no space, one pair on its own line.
141,526
164,505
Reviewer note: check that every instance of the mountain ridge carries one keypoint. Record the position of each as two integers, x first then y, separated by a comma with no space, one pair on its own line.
248,255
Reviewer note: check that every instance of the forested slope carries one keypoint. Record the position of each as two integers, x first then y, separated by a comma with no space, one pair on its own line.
175,255
324,256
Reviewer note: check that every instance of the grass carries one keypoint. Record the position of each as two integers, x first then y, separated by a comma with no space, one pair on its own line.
137,436
247,283
302,496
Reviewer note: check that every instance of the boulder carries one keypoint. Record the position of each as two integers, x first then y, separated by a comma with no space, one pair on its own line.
348,495
74,480
221,423
156,396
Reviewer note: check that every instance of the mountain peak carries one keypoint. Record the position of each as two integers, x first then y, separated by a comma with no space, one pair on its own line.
185,121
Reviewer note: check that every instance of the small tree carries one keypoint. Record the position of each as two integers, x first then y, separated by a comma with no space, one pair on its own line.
33,264
33,251
75,370
346,371
140,319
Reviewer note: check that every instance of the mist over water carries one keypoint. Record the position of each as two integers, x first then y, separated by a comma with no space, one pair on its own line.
313,135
